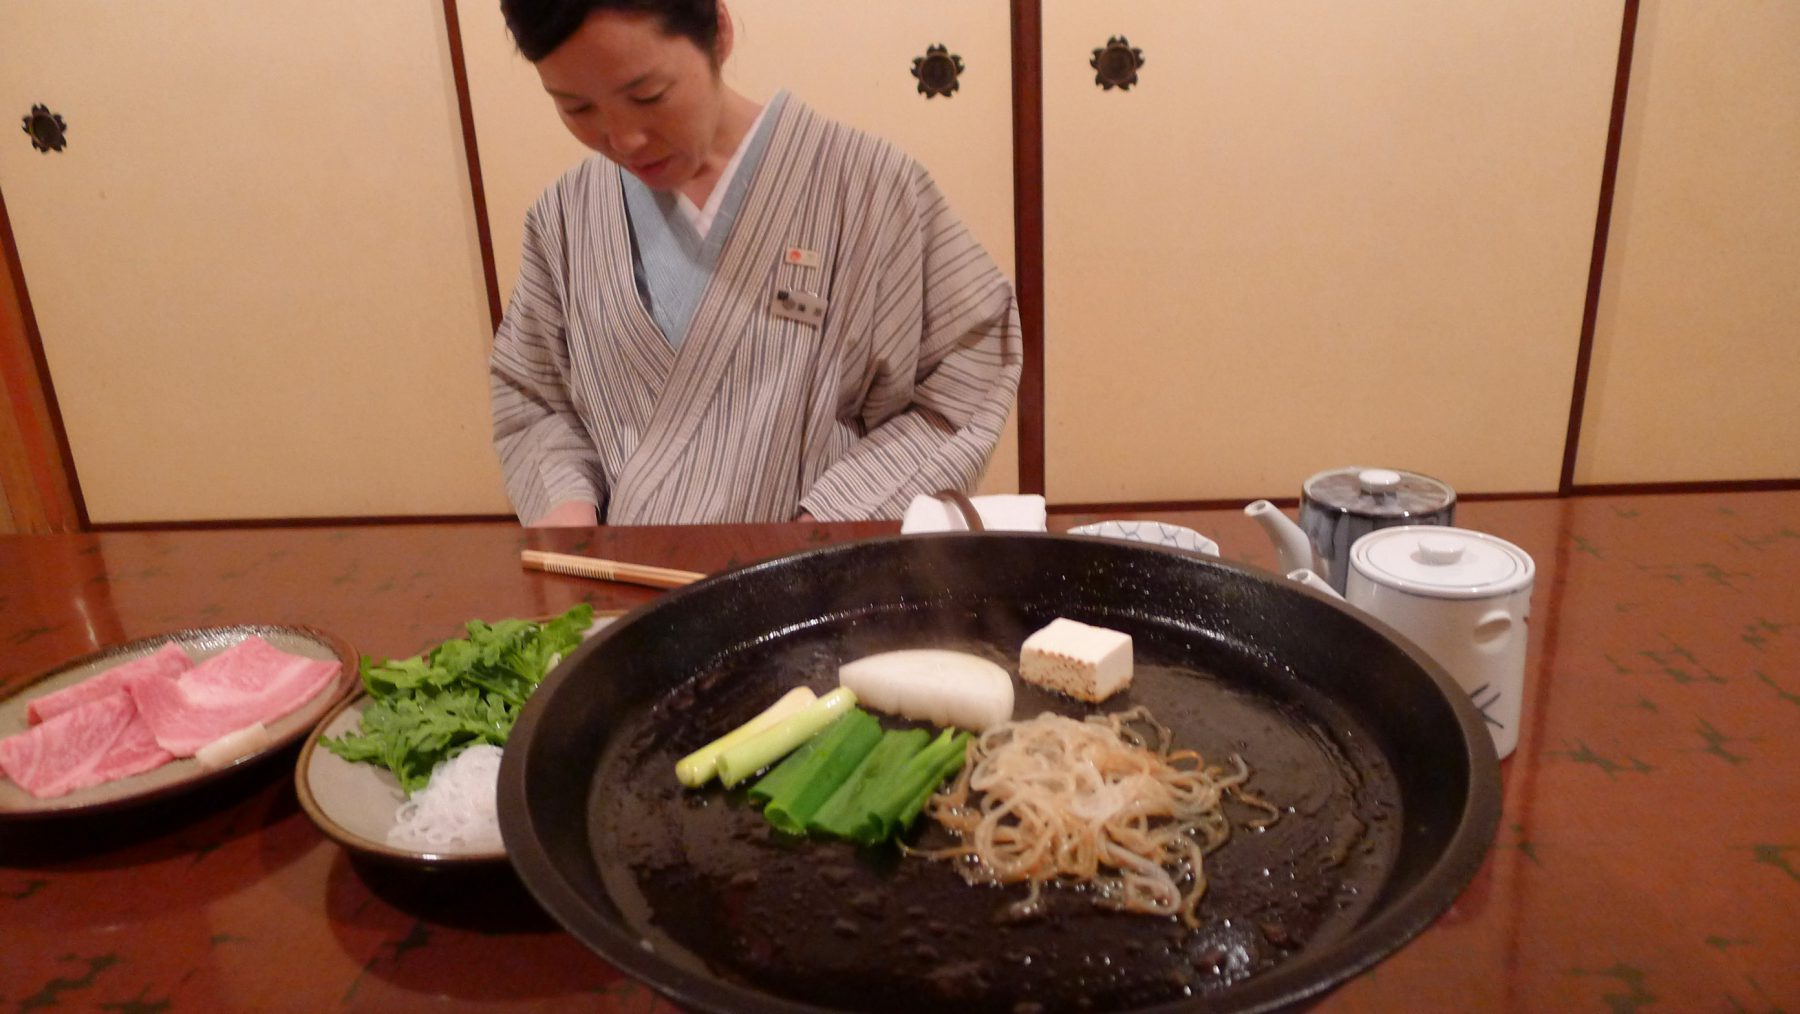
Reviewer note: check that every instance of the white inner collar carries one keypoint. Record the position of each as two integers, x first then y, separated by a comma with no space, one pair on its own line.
702,218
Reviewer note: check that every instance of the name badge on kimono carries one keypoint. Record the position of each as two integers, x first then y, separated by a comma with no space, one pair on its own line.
805,307
801,257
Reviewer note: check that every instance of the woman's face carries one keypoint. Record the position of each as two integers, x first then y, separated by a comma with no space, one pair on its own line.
649,101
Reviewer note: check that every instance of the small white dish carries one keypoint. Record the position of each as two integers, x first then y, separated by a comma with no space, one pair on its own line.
1155,533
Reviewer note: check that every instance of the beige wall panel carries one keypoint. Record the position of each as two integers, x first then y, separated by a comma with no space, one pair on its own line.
1697,343
1318,234
853,62
255,267
850,61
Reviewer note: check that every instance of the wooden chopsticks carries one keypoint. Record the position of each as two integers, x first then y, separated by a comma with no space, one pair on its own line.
606,570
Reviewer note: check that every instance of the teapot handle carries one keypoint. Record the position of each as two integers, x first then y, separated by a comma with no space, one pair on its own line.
1492,628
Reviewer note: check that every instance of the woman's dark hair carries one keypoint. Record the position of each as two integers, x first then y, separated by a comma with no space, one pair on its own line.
539,26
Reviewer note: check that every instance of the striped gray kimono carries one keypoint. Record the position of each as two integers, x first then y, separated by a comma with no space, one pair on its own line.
901,389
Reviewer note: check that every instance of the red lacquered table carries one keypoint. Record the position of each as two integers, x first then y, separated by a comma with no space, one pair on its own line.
1648,856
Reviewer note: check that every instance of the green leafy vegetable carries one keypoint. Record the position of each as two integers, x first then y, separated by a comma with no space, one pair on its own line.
431,707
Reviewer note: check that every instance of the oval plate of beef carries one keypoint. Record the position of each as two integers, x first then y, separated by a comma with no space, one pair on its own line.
164,714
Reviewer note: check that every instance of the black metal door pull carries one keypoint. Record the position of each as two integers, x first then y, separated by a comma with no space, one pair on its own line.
47,129
937,71
1116,64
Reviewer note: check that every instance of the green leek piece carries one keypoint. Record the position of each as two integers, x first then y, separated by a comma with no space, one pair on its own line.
841,750
744,759
897,799
784,776
697,768
848,806
949,766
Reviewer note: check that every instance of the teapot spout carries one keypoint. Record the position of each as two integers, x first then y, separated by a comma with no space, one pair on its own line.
1292,547
1315,582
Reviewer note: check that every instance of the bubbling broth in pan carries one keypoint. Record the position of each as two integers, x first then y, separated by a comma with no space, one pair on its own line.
705,880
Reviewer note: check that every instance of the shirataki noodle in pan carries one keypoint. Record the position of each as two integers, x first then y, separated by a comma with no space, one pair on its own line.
1091,802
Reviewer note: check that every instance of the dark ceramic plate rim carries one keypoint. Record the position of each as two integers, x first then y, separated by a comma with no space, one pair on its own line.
59,807
1304,980
355,842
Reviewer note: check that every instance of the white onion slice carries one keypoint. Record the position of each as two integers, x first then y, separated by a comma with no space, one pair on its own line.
932,685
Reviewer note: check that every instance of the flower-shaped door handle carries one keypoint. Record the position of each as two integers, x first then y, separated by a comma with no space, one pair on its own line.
1116,64
937,71
47,129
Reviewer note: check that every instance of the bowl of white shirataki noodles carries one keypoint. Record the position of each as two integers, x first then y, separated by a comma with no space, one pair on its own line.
1385,777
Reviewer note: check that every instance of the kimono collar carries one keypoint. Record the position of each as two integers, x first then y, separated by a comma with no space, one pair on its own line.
673,264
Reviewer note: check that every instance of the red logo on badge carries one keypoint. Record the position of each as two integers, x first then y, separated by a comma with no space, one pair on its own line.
793,255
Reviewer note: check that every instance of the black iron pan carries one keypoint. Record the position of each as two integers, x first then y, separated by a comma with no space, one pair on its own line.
1385,774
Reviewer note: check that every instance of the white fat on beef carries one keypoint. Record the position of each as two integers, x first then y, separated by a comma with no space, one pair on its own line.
86,745
1086,662
229,748
252,681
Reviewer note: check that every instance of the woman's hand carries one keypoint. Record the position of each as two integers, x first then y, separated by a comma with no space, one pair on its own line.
569,514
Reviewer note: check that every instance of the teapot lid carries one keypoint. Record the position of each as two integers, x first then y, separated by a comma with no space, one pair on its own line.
1378,492
1439,562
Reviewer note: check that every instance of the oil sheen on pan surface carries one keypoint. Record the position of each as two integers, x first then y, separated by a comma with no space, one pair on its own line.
709,884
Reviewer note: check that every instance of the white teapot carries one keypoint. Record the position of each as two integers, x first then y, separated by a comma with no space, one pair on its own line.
1462,596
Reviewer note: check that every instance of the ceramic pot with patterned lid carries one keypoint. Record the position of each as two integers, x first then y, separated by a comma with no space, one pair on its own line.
1341,505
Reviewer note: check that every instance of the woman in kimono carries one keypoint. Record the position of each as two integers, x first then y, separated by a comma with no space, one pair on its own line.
735,313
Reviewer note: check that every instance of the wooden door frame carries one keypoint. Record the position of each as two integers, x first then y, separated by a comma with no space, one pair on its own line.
1590,310
37,472
1028,231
